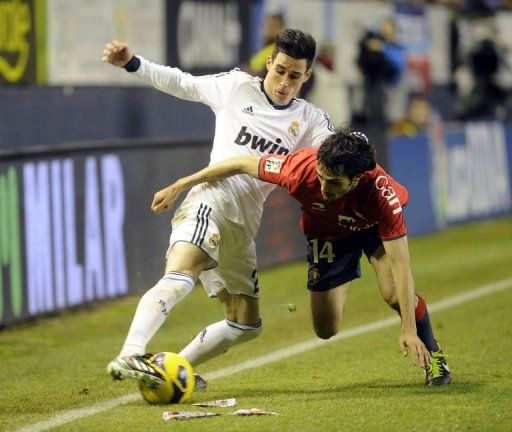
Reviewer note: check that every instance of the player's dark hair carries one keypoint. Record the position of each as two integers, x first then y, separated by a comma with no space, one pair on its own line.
296,44
347,152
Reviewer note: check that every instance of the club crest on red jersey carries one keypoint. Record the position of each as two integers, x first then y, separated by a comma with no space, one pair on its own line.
313,275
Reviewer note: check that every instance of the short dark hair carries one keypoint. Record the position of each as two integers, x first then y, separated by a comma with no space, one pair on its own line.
347,152
296,44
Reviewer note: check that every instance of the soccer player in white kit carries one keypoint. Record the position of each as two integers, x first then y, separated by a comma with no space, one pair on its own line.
213,230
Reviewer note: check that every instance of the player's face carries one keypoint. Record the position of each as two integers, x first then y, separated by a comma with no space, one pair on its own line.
334,186
285,77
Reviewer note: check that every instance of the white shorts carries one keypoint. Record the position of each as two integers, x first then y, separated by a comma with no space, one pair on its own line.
231,250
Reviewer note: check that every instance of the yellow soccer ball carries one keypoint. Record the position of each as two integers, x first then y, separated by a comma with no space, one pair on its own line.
179,380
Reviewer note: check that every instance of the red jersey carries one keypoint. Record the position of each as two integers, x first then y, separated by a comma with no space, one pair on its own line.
376,200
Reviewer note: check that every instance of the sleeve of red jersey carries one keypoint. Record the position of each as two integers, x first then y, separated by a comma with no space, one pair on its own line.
275,169
392,226
389,206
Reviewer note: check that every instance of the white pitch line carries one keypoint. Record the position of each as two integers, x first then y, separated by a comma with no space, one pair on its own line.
447,303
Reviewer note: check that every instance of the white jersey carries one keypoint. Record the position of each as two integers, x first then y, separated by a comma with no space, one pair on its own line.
247,124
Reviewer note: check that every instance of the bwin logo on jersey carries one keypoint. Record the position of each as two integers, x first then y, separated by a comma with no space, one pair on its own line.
261,144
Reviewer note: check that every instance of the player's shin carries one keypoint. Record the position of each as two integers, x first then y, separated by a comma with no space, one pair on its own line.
153,308
423,326
217,338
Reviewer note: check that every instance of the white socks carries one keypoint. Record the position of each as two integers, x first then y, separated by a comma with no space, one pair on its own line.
153,308
217,338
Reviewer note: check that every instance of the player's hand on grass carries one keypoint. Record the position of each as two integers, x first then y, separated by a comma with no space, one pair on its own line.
164,199
420,354
117,53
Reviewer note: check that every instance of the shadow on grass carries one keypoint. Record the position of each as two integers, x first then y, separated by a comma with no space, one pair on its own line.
376,389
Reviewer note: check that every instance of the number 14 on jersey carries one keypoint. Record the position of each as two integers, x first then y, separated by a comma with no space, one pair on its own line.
325,253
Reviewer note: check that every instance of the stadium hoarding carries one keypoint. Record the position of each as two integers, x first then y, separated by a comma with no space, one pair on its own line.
22,42
76,225
62,233
461,174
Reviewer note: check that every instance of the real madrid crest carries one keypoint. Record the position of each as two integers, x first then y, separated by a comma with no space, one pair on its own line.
293,129
214,240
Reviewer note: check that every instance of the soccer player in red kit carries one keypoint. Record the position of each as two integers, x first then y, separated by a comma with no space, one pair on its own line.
350,205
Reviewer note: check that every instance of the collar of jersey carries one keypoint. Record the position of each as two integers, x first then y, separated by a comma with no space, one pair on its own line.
271,102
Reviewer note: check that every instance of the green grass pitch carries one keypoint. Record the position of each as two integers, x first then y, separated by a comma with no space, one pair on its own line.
56,366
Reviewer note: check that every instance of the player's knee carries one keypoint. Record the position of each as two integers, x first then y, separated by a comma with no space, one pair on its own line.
253,333
172,288
243,333
326,331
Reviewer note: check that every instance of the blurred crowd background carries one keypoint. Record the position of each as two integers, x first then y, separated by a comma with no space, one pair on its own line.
391,66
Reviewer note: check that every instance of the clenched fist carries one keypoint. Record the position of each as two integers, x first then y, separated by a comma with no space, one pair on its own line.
117,53
164,199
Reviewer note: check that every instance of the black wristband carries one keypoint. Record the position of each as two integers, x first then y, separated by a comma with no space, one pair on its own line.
133,65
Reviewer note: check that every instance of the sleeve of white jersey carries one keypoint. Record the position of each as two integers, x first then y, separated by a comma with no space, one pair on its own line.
212,90
321,127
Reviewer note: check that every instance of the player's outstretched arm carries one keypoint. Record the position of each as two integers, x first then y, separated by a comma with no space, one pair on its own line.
164,199
398,251
117,53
